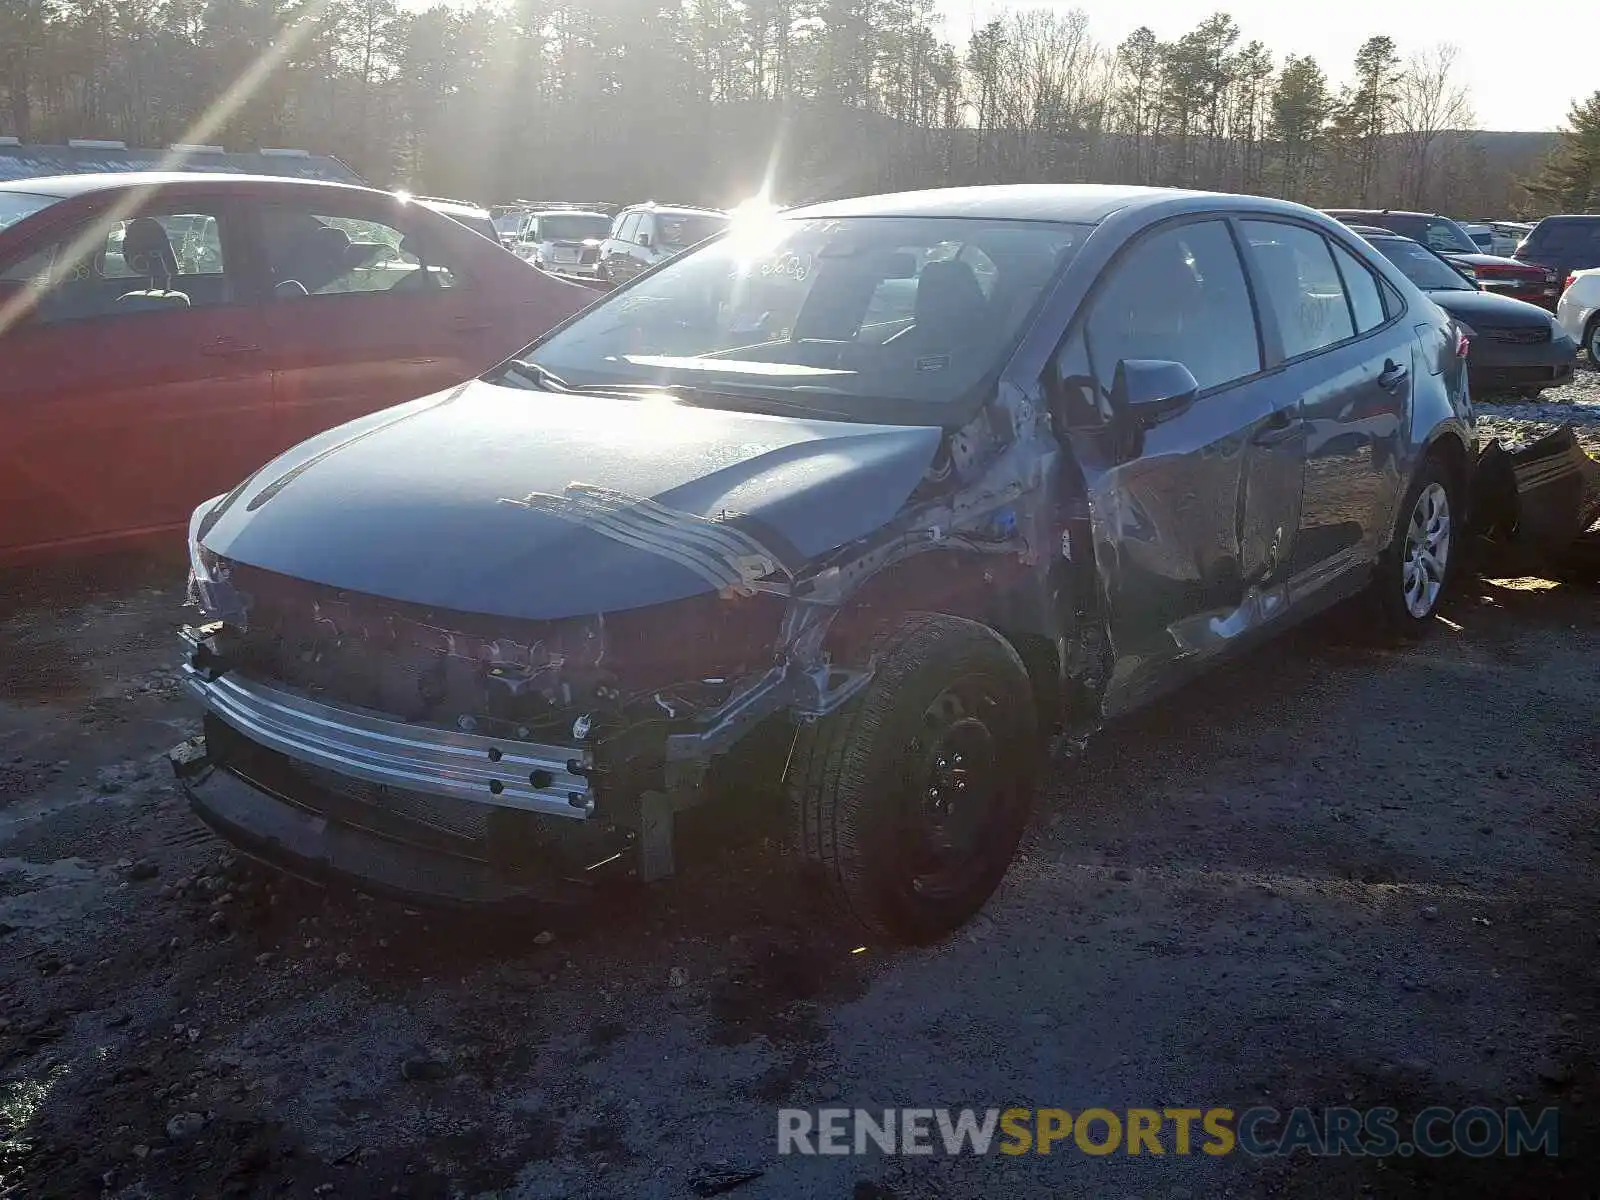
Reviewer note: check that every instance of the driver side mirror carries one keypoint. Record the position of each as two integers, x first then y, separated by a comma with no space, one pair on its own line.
643,239
1149,390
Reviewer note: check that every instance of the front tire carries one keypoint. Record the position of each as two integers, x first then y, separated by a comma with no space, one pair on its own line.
1416,572
909,801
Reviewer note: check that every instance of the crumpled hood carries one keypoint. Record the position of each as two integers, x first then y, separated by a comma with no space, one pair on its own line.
539,505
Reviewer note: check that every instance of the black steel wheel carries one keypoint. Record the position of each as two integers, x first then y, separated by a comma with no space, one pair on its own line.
909,801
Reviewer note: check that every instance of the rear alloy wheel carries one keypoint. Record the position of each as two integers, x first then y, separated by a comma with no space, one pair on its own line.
1427,554
1417,570
909,801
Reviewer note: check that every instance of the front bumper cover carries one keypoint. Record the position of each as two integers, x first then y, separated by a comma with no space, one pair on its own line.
314,847
1544,495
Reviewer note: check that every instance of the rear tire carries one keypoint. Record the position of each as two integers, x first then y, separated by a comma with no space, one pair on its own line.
1415,573
1591,342
909,801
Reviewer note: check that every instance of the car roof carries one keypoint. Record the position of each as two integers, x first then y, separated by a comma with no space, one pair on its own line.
678,209
67,186
568,212
1084,202
1382,212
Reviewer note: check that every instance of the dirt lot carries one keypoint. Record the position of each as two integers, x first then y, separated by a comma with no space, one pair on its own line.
1332,874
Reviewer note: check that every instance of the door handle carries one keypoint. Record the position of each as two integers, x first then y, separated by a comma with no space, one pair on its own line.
1280,426
1392,375
227,348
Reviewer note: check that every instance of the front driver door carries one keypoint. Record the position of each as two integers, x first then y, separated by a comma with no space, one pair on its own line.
137,388
1193,517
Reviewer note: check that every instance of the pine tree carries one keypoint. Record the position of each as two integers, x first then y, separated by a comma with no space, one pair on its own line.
1570,180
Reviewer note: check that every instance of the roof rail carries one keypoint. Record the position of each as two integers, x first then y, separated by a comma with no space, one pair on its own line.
674,204
283,152
599,205
95,144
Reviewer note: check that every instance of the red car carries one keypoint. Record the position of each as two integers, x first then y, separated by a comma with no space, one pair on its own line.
1502,276
162,336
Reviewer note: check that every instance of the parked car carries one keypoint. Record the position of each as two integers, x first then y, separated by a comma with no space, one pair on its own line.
1097,439
1515,346
1508,235
1482,236
463,213
1579,311
647,234
1520,281
508,221
564,240
164,335
1564,245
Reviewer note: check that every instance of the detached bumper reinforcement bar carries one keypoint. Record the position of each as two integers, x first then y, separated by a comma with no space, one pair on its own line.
548,780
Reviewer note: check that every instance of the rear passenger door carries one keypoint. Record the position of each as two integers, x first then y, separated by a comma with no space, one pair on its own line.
369,307
1335,333
138,386
1193,515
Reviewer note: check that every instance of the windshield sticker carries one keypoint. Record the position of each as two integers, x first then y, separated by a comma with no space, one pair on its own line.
933,362
788,265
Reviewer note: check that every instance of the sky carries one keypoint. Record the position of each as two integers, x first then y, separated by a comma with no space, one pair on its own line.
1509,91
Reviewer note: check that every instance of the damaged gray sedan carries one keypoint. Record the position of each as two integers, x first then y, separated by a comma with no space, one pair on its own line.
874,497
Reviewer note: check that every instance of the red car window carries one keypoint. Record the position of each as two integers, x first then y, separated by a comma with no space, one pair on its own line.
316,254
144,263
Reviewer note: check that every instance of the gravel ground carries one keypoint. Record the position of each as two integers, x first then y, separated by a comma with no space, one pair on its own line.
1514,420
1334,873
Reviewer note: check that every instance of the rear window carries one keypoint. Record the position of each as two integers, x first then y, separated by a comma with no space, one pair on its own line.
688,229
573,227
14,206
1566,234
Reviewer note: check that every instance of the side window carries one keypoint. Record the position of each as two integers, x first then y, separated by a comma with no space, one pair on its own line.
156,261
195,241
1301,284
1077,402
1179,294
647,224
1392,302
320,254
1362,288
629,227
1445,239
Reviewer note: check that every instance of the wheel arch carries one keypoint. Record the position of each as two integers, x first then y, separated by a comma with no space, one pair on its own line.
1013,598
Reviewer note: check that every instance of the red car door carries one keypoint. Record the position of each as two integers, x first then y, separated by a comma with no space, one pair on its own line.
135,388
374,302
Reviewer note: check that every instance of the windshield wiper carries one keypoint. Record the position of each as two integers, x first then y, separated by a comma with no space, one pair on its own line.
539,377
787,401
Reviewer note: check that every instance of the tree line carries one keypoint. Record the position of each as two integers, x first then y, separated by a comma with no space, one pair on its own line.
709,100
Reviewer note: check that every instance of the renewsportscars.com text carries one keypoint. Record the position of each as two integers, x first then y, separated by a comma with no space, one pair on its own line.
1260,1132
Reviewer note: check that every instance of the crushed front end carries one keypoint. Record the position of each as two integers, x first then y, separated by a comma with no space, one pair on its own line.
461,758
